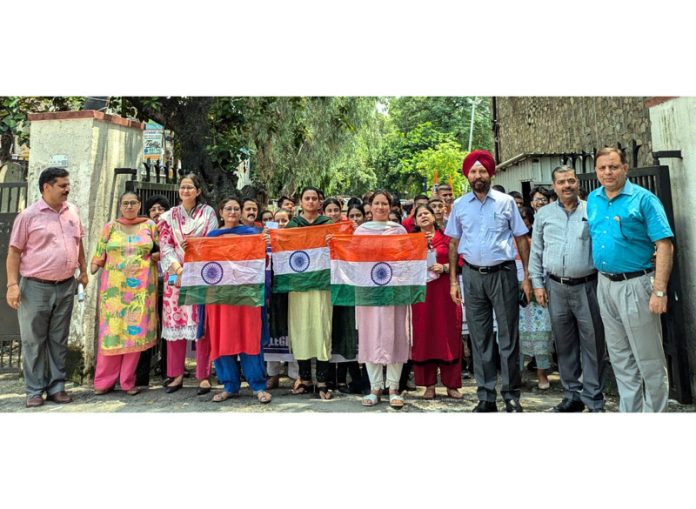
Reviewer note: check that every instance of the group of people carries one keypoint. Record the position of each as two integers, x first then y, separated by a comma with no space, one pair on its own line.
590,277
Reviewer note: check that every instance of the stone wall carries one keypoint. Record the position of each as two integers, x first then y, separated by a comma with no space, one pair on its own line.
572,124
90,144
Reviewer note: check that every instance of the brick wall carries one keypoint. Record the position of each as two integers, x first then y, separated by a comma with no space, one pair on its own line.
572,124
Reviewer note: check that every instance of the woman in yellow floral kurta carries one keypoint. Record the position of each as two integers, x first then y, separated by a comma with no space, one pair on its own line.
127,296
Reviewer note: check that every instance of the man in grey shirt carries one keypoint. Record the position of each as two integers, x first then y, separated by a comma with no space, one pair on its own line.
563,275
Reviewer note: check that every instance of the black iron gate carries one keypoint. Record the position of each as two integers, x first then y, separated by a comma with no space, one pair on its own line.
656,179
13,197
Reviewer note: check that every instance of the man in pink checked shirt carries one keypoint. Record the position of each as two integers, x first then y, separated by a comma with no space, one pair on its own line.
45,249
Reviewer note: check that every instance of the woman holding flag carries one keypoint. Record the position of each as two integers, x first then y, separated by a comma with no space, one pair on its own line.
310,312
191,218
236,330
384,332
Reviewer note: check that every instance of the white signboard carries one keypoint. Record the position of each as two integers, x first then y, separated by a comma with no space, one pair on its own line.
59,161
153,138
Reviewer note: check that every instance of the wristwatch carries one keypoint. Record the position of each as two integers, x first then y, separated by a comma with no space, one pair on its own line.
660,293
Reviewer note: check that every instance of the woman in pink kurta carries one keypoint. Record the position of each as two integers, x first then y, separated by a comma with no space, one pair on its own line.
384,332
191,218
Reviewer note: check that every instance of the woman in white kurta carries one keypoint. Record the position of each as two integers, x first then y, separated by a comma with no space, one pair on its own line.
384,332
191,218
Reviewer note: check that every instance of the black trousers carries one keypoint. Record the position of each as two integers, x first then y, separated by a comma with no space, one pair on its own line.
142,372
305,368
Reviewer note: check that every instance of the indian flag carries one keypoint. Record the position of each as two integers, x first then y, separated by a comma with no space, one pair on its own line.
224,270
378,270
300,257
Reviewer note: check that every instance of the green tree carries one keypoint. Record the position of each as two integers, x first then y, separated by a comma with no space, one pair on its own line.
291,141
396,165
446,158
446,114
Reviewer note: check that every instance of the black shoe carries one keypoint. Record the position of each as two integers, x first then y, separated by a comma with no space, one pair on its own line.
202,390
569,405
596,410
466,375
513,405
486,406
173,388
343,389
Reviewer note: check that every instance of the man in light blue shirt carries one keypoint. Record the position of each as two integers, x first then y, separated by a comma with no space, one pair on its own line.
628,225
483,227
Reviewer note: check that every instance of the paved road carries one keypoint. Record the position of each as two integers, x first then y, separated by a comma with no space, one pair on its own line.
154,399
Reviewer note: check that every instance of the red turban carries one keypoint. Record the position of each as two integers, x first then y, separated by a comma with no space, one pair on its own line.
483,157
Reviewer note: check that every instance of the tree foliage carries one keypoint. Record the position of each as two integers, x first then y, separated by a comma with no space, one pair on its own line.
427,134
446,114
345,145
13,117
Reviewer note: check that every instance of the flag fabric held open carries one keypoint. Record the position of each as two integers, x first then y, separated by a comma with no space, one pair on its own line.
378,270
224,270
300,257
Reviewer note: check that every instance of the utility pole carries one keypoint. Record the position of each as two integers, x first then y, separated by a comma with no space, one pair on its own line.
473,102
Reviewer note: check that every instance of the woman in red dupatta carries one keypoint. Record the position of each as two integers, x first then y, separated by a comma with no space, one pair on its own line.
437,322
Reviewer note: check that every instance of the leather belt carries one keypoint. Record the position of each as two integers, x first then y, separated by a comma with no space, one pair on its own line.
488,270
626,275
48,281
572,281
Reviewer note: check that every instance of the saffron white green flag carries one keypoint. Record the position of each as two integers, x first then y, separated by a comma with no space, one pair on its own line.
378,270
224,270
300,257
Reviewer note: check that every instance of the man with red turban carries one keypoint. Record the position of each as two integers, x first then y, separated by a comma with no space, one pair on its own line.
483,227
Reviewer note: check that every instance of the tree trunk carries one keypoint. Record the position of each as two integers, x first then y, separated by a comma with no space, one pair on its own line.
6,142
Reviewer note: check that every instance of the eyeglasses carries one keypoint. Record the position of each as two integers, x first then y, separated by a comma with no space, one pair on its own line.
610,167
129,203
187,188
231,209
541,200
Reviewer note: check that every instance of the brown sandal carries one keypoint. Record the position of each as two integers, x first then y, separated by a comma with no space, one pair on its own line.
273,382
302,388
454,393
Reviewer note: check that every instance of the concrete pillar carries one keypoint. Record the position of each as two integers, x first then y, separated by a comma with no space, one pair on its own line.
673,126
89,144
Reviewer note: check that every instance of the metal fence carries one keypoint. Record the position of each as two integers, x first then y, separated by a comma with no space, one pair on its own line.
13,198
